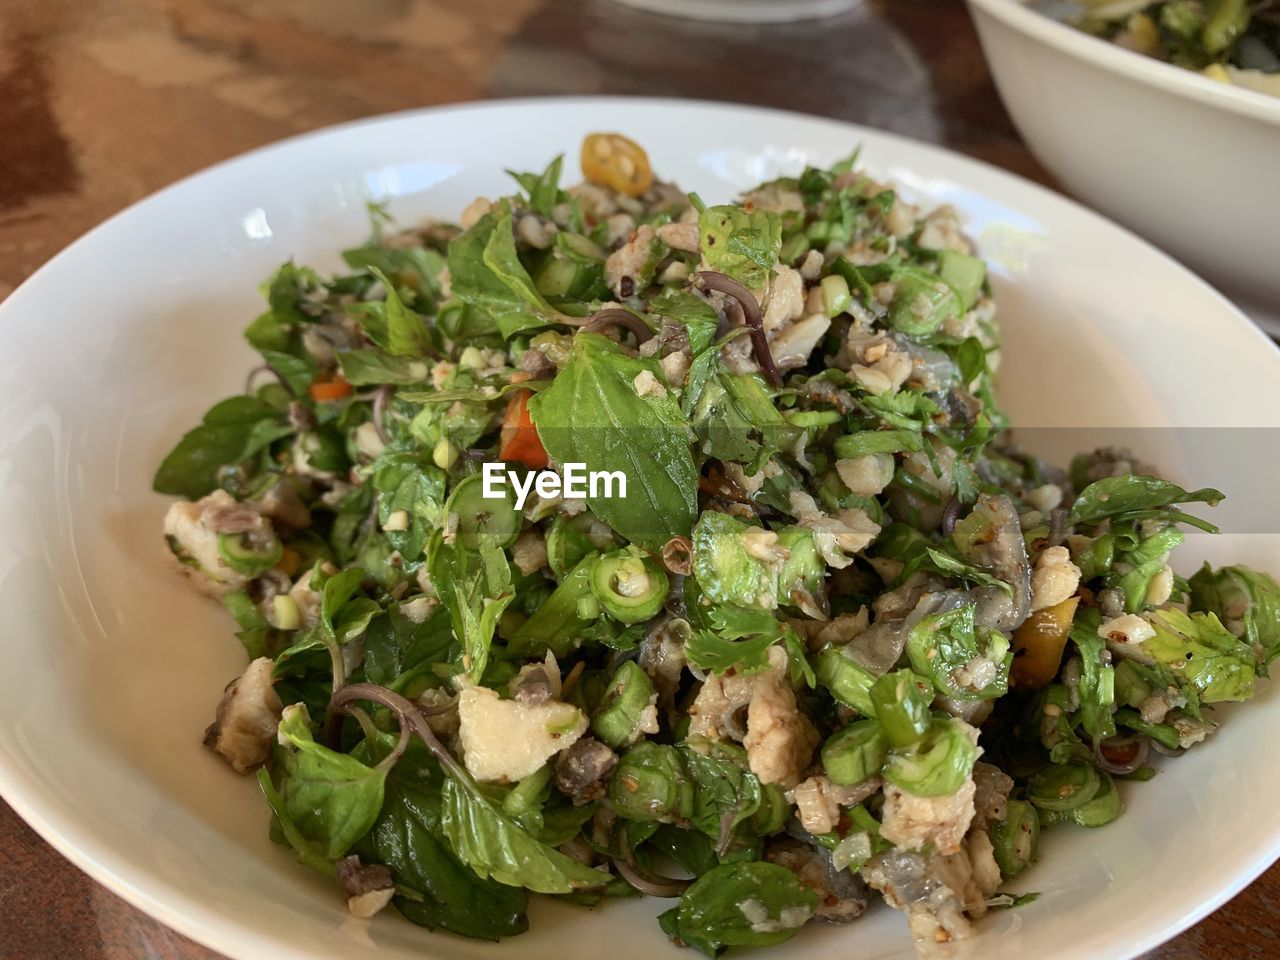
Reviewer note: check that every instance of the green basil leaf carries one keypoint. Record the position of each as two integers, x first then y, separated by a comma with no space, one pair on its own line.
492,845
446,894
332,798
542,189
390,324
486,274
592,414
369,366
397,650
413,269
751,904
231,432
408,482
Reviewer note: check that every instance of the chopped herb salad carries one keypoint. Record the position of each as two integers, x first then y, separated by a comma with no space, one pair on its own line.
1234,41
832,635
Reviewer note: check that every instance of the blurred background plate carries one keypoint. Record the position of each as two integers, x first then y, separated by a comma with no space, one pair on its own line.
745,11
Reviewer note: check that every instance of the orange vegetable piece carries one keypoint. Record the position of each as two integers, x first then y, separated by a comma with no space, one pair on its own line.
324,391
612,160
1038,645
518,439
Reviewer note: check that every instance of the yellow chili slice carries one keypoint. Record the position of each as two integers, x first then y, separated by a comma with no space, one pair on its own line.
612,160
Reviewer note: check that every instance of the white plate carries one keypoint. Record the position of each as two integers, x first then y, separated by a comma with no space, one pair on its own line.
1186,161
112,666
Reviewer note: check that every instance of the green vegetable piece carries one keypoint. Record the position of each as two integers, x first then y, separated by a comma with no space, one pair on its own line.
728,636
965,274
1227,21
494,520
630,586
1164,734
231,432
652,783
569,539
726,788
743,245
963,662
543,189
439,890
876,441
486,274
900,701
1133,496
936,766
250,554
391,325
847,680
1146,561
1063,787
332,798
255,632
1131,688
591,414
623,710
1102,808
321,450
1097,688
748,904
1016,838
733,416
1246,601
922,302
855,753
728,572
803,570
1204,653
835,294
574,269
496,847
558,623
1096,559
559,277
370,365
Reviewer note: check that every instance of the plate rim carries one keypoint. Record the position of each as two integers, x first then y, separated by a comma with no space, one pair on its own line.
204,925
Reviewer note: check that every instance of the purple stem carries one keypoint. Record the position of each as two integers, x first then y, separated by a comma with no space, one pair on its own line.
711,280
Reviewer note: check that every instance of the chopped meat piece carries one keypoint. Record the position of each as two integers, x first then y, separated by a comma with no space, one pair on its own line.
247,718
582,772
368,887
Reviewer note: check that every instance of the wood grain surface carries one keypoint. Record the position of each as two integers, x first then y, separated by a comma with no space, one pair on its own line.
105,101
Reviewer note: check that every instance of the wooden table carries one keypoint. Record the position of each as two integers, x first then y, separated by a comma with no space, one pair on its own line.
105,101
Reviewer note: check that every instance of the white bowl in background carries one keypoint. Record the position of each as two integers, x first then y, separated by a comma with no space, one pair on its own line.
1191,163
112,665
